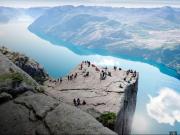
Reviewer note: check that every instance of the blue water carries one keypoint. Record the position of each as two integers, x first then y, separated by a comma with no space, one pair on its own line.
59,61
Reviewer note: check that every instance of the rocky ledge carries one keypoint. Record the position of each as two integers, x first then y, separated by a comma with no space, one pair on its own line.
99,90
30,108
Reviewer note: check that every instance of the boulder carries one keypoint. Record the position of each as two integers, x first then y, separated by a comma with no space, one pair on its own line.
39,103
39,114
5,97
14,120
66,119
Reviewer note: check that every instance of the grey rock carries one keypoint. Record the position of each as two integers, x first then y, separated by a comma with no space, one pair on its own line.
28,65
125,115
18,89
23,87
32,116
14,120
18,118
93,112
5,97
28,93
36,113
42,130
39,103
8,82
65,120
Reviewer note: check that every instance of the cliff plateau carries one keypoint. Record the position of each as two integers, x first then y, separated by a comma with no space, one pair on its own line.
30,108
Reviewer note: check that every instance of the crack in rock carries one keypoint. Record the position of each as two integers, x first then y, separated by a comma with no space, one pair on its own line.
75,89
36,103
112,83
115,91
35,116
97,96
97,104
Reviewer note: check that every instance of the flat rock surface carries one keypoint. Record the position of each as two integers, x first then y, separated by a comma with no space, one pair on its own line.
39,103
15,120
65,120
40,114
102,95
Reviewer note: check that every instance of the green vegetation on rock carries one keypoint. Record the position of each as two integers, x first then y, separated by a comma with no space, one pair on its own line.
108,119
16,77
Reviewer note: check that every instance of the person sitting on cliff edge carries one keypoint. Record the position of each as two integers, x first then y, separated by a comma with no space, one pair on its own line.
84,102
87,74
81,66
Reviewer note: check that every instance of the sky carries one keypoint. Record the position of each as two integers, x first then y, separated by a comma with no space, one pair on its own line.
113,3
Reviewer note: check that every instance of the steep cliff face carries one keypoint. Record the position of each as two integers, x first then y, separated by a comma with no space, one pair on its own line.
26,64
125,115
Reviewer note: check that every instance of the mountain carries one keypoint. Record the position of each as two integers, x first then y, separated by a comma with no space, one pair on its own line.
35,12
149,34
8,13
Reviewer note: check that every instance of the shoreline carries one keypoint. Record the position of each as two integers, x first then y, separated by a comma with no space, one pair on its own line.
75,48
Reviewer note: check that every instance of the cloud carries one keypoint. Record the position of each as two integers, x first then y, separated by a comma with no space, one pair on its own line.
106,62
144,128
165,108
114,3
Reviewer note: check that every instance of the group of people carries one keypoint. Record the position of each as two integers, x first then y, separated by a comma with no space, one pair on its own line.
59,80
104,74
87,62
115,68
131,71
87,74
134,74
78,102
72,76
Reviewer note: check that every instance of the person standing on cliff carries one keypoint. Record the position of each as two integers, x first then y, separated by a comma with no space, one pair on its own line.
78,101
115,68
81,66
75,75
61,80
74,101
